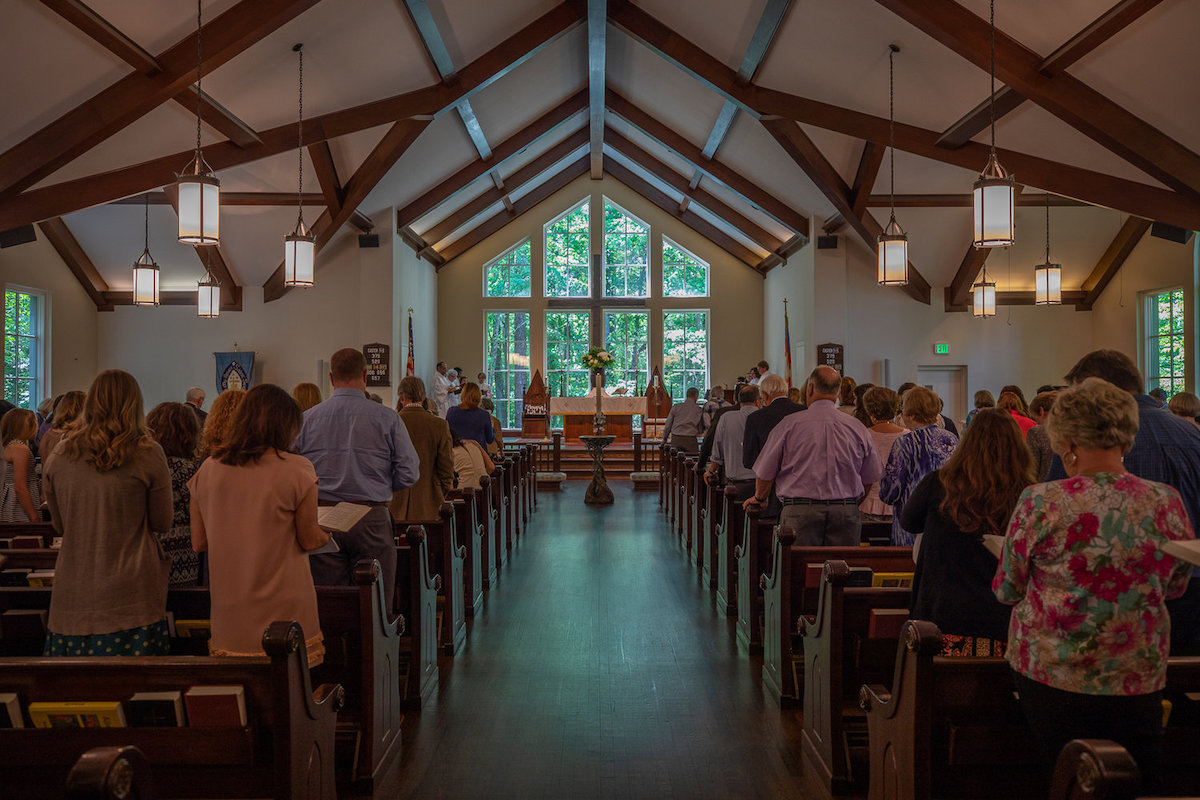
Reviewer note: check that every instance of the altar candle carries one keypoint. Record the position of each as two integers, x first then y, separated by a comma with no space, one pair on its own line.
598,390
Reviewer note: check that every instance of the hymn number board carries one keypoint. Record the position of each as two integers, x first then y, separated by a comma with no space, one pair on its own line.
379,364
832,355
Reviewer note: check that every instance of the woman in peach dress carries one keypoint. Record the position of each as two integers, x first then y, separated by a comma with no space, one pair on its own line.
254,510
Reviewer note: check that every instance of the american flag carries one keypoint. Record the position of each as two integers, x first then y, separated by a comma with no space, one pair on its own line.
411,367
787,344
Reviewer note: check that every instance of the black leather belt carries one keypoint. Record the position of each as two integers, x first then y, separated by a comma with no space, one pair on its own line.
808,501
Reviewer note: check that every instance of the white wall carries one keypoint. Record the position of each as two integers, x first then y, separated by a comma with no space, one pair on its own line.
169,349
793,282
71,314
414,285
1025,345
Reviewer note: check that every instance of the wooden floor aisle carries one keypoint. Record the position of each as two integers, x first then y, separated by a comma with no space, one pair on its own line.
599,669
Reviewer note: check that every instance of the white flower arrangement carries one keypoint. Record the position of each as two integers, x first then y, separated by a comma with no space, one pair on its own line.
598,358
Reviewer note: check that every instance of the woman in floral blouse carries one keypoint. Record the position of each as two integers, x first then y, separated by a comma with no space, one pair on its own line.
1089,635
926,448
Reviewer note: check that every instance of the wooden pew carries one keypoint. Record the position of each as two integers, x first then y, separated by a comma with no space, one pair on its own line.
953,727
850,641
111,773
1094,769
692,503
728,533
663,476
43,530
470,537
416,598
708,533
485,513
534,451
446,557
362,653
285,752
500,533
751,552
681,493
791,590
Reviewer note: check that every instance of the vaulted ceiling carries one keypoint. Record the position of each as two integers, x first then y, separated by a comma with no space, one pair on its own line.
741,118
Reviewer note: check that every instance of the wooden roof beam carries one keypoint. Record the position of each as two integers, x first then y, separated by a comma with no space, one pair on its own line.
64,198
393,145
671,139
1114,258
864,177
1007,99
331,186
575,169
71,252
1063,95
597,12
159,198
514,144
1086,185
524,175
130,98
965,201
1069,298
809,158
688,218
681,184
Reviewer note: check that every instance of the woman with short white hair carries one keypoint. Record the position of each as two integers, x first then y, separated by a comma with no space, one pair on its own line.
1082,563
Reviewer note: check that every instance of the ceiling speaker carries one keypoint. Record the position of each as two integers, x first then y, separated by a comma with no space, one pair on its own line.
22,235
368,240
1169,232
827,242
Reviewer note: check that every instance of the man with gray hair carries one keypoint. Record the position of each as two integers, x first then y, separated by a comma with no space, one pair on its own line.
820,462
775,406
195,399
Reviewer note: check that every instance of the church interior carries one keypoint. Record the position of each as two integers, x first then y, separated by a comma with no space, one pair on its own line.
692,187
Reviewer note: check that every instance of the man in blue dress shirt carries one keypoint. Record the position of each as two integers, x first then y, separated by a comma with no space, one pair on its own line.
361,453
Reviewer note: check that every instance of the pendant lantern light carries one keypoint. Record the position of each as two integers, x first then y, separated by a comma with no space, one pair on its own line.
199,189
1047,277
299,246
893,242
208,297
145,271
994,195
984,297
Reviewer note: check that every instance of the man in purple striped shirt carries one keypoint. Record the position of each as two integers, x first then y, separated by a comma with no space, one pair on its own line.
820,462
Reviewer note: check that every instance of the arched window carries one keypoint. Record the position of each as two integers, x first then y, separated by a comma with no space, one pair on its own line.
507,275
568,253
684,275
626,254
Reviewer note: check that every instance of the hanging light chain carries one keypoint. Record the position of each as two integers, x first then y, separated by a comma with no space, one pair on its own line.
992,97
892,50
146,205
1047,227
299,48
199,66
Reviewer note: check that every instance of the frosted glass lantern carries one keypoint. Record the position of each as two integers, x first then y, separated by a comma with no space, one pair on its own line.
1048,282
984,298
199,204
299,256
145,281
994,198
208,297
893,255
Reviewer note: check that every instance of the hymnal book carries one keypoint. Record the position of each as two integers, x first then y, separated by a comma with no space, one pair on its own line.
156,710
216,706
10,711
341,517
77,714
1188,551
193,628
860,576
6,543
56,543
41,577
27,541
15,576
889,579
994,544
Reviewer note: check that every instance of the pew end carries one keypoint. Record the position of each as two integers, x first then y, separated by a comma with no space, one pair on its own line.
1094,769
111,773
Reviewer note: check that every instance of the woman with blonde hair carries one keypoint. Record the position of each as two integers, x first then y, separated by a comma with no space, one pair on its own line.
306,395
469,421
1083,566
68,409
219,423
177,430
20,495
1186,405
109,491
954,507
880,404
925,448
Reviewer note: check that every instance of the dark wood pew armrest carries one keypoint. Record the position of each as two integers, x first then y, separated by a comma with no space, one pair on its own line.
110,773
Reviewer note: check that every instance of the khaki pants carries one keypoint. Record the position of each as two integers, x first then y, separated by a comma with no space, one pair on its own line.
823,525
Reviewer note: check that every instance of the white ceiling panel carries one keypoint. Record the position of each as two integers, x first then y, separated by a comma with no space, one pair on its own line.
441,149
723,28
351,150
113,238
1044,31
470,28
753,152
157,26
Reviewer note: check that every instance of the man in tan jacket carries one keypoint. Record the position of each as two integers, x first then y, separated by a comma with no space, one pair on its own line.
430,435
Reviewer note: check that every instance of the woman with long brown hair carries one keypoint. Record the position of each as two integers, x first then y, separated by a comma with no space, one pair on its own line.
219,422
972,494
66,412
109,491
306,395
20,486
254,511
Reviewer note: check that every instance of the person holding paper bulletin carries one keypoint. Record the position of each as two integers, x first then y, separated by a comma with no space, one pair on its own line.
254,511
1082,563
362,454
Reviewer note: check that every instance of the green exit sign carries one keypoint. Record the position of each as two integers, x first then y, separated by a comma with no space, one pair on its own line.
941,348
